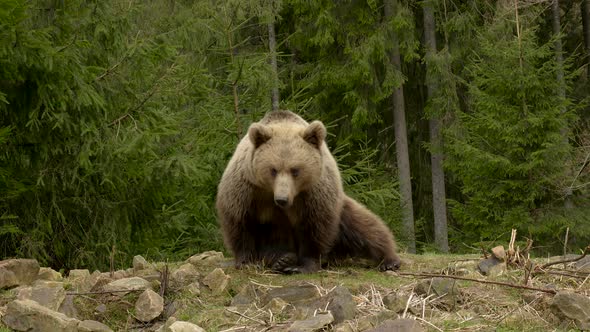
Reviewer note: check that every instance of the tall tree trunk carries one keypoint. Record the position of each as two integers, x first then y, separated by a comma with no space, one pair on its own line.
439,206
556,24
586,28
272,46
401,142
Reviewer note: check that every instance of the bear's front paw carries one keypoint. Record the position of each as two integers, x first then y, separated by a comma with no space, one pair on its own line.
390,264
285,262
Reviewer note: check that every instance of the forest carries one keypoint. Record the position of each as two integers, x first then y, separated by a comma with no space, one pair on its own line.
455,121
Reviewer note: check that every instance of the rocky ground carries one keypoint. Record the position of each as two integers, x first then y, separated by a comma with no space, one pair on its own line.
205,293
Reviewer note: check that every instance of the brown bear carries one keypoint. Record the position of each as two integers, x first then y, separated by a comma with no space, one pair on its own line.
280,202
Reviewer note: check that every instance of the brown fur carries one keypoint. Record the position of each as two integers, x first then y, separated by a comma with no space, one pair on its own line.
280,201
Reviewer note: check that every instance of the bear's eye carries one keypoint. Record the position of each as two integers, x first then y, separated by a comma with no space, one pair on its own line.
295,172
273,172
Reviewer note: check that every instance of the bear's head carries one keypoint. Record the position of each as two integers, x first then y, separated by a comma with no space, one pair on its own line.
287,158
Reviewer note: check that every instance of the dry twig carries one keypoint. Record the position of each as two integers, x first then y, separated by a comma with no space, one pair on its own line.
106,292
247,317
586,252
434,275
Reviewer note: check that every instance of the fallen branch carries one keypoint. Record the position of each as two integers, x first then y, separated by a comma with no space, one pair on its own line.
244,316
586,252
105,292
434,275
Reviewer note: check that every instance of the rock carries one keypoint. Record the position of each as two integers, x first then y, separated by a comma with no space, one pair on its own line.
313,324
16,272
184,275
205,258
102,280
491,267
166,326
180,326
171,308
101,308
248,295
583,264
28,315
499,253
149,305
292,294
139,263
46,273
340,304
77,278
68,308
276,305
133,283
572,306
395,302
93,326
122,274
398,325
194,288
445,288
49,294
217,280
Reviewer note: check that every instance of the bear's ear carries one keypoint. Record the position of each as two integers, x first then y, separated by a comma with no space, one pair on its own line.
258,134
315,134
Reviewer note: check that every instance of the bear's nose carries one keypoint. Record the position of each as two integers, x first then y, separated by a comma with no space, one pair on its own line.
281,201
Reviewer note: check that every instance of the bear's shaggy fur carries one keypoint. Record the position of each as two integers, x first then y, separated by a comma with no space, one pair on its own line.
280,202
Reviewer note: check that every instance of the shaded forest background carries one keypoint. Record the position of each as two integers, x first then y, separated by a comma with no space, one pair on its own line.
117,118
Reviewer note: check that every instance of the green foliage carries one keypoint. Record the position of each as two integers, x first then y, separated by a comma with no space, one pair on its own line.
114,127
370,183
507,148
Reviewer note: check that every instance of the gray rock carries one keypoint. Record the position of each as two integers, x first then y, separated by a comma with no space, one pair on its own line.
16,272
396,303
93,326
139,263
49,294
77,278
248,295
445,288
205,258
68,308
398,325
122,274
166,326
101,308
133,283
171,308
276,305
583,264
149,305
27,315
293,294
47,273
340,304
491,267
194,288
312,324
217,280
572,306
184,275
180,326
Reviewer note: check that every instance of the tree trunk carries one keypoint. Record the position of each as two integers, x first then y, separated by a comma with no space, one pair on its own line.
586,28
272,46
556,24
439,206
401,143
